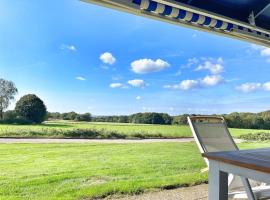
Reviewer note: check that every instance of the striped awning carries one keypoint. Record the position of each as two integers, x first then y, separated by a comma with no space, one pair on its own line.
175,12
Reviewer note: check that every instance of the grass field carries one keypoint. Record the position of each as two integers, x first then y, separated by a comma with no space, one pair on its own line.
88,171
103,130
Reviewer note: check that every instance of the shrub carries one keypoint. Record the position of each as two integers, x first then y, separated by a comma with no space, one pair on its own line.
10,116
31,108
261,136
83,117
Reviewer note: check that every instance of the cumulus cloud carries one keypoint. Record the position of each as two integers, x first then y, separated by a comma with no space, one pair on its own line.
207,81
184,85
191,62
264,51
144,66
138,97
136,83
107,58
80,78
187,84
212,80
116,85
68,47
266,86
252,87
213,67
249,87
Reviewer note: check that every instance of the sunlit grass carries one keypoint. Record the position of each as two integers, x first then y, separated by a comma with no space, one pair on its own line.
58,129
87,171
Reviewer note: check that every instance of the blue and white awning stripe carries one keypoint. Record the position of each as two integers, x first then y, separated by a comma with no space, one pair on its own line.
169,11
178,13
196,19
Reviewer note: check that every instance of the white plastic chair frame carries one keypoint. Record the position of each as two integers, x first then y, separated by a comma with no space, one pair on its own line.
202,147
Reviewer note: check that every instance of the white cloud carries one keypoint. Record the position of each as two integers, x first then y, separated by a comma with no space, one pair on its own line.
138,97
143,66
188,84
136,83
116,85
68,47
213,67
190,62
249,87
107,58
212,80
266,86
80,78
253,87
264,51
207,81
184,85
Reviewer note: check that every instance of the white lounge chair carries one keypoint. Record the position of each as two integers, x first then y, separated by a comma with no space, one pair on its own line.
212,135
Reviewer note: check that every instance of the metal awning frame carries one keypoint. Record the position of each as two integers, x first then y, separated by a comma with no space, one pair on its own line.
128,6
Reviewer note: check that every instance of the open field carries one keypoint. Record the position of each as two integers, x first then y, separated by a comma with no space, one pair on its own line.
80,171
59,129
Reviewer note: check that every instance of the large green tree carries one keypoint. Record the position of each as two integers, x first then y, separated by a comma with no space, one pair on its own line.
32,108
8,91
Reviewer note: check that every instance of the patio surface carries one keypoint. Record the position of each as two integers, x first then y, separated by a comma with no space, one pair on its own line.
199,192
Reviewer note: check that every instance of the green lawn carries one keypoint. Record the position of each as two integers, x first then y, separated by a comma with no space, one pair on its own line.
87,171
106,130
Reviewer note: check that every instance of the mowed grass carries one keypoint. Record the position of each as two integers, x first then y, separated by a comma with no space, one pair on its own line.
58,129
88,171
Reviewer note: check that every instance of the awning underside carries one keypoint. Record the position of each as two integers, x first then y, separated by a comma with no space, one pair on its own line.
241,19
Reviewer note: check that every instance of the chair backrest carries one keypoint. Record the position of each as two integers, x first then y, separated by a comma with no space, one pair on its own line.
211,134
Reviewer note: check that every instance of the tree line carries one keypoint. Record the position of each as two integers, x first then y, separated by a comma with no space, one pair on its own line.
31,109
234,120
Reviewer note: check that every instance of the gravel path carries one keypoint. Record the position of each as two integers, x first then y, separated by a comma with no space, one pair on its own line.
199,192
116,141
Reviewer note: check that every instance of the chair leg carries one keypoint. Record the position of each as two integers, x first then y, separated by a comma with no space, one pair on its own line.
248,189
218,183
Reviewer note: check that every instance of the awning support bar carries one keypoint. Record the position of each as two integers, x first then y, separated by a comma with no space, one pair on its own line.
262,11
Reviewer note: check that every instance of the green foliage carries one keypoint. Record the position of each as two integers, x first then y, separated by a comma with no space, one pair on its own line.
260,136
86,117
69,116
7,92
180,120
248,120
11,117
60,129
31,108
151,118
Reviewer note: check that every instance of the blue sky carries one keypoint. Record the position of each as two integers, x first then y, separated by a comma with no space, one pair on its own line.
81,57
